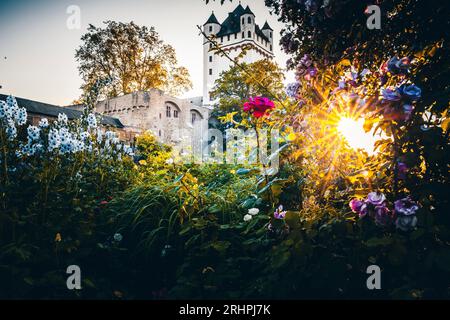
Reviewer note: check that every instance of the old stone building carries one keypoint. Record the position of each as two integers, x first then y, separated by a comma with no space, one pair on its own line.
170,119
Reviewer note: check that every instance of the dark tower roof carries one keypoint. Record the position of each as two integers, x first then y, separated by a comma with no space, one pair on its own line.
212,19
248,11
266,26
232,23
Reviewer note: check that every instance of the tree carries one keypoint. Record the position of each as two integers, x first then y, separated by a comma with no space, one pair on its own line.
235,86
132,58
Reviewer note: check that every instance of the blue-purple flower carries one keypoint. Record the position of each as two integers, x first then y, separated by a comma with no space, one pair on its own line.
398,66
376,198
406,206
279,213
390,94
383,215
359,207
410,91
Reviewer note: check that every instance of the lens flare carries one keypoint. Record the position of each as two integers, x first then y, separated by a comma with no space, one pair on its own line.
353,132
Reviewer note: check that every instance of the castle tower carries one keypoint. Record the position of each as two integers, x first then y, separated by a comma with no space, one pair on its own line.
237,31
211,27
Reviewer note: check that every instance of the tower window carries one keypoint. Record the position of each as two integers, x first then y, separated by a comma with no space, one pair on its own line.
235,35
168,112
221,39
210,45
175,113
159,133
243,20
243,35
228,37
270,35
210,28
210,72
270,47
249,20
210,58
193,117
160,115
249,34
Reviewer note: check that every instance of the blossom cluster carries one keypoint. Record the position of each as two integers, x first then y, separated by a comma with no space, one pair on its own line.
60,137
397,101
305,69
11,115
403,214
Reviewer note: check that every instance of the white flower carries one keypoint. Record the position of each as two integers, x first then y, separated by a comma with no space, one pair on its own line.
169,161
54,141
11,130
62,118
118,237
253,211
247,217
43,123
33,133
3,107
21,116
92,121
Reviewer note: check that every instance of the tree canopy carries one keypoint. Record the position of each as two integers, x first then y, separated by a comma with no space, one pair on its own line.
234,86
132,58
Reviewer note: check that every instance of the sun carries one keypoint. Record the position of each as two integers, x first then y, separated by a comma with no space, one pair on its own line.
354,134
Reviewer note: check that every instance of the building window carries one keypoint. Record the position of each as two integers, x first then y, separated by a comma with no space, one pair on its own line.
168,112
221,39
210,58
235,35
228,37
270,47
243,20
159,133
210,29
210,72
160,115
243,35
193,117
249,20
249,34
175,113
270,35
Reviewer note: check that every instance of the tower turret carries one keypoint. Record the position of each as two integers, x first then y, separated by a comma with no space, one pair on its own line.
211,27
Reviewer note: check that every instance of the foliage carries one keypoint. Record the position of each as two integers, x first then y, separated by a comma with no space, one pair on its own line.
133,57
55,181
235,85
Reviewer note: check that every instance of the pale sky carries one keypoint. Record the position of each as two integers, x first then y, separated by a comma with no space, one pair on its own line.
37,49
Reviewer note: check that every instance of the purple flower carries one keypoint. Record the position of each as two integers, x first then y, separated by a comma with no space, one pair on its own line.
359,207
376,198
292,89
407,111
391,94
411,92
406,206
383,215
402,169
279,213
398,66
312,72
406,223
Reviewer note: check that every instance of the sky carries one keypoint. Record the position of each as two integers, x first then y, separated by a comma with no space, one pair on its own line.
37,48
